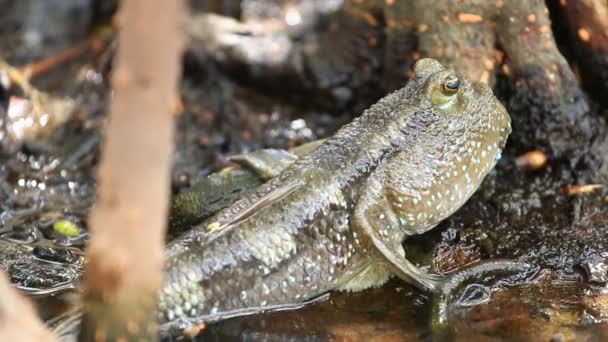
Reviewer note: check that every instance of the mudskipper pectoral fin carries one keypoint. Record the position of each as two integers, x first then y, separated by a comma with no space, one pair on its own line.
404,269
392,252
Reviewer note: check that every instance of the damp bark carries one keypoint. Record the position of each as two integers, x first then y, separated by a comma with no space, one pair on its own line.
18,318
125,257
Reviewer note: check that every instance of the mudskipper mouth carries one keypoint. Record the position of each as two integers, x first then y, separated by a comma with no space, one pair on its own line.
502,143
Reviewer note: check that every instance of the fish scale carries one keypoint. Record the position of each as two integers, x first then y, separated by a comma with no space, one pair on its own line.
336,218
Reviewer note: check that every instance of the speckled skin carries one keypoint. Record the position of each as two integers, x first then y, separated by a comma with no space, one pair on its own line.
335,219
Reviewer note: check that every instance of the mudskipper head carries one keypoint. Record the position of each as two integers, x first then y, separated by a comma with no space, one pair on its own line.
466,107
461,131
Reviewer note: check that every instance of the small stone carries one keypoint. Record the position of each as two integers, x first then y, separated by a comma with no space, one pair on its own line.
596,268
584,34
532,160
469,18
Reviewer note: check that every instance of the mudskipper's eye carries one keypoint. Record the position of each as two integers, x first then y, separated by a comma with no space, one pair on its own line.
450,85
445,94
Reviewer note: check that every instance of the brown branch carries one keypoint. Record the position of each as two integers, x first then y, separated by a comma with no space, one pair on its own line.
18,318
35,69
125,258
